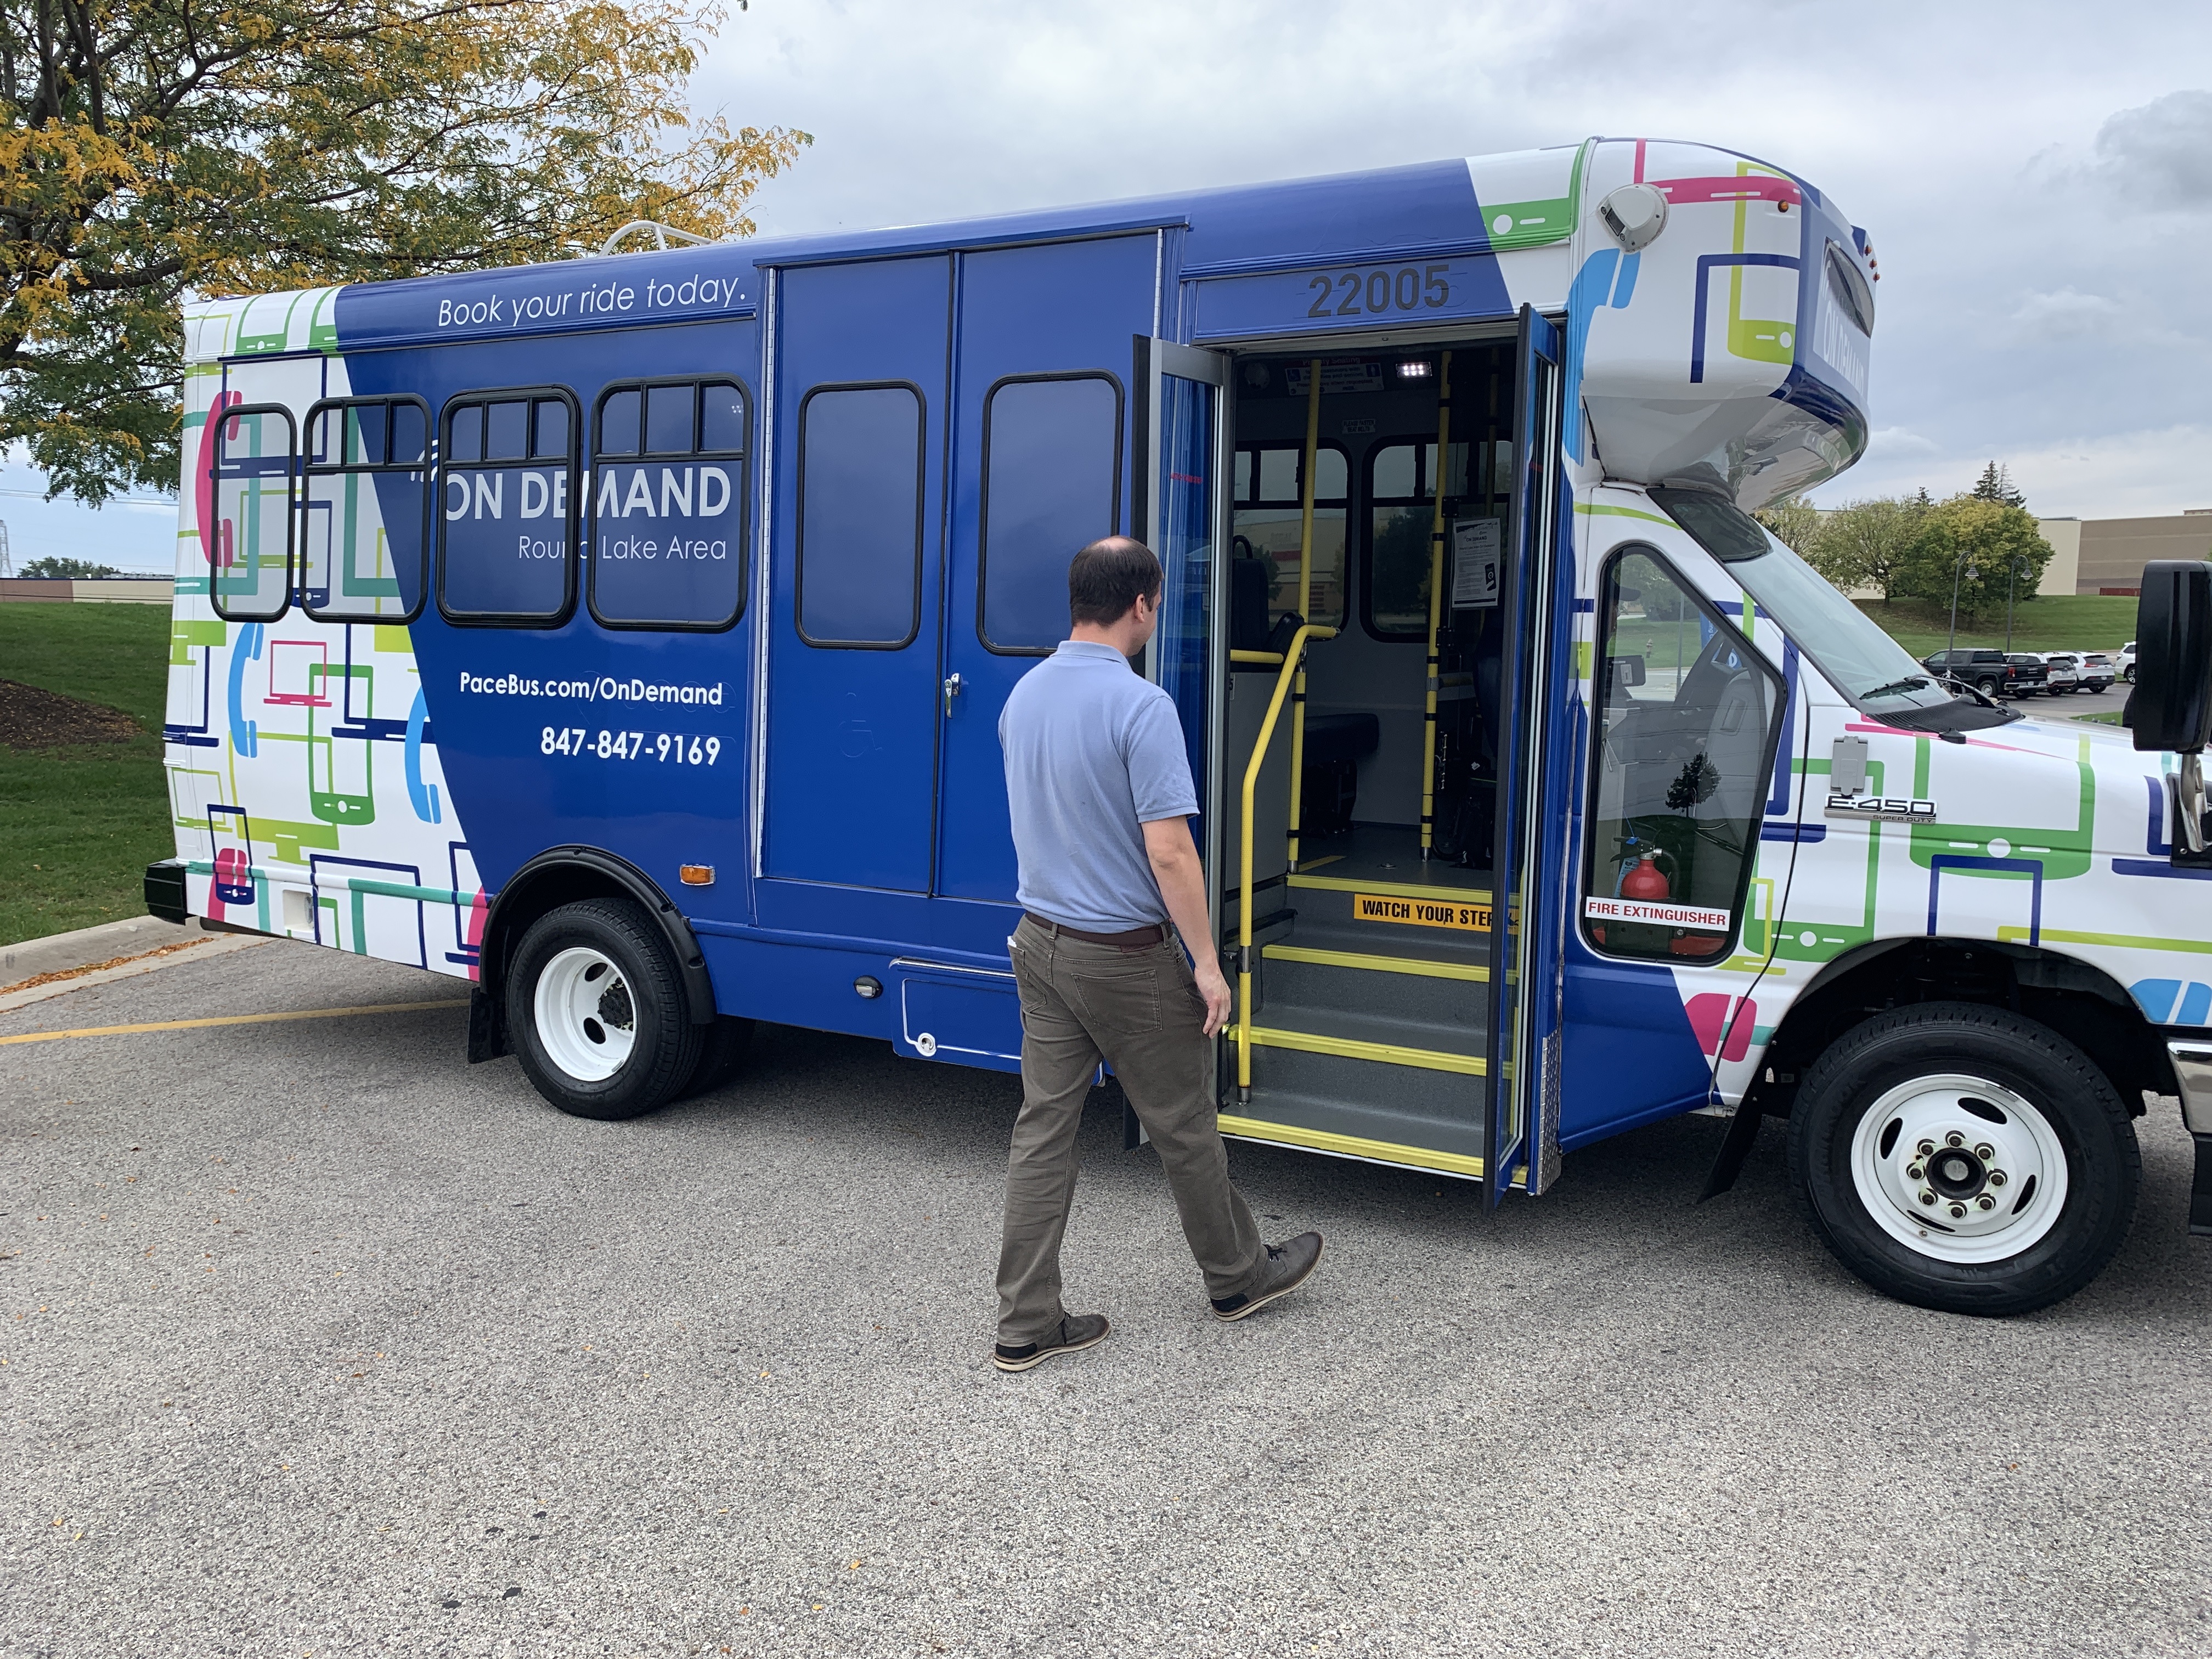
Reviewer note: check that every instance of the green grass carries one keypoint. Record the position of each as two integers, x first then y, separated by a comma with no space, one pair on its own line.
78,826
2081,621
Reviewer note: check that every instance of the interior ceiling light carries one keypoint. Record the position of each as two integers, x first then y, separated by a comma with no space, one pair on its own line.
1416,368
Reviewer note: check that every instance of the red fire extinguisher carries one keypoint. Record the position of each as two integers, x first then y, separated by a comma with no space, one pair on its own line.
1646,881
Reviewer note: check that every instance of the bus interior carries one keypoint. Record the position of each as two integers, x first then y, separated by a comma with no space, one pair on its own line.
1372,801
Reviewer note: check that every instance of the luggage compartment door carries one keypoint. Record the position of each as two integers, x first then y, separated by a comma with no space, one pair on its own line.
856,561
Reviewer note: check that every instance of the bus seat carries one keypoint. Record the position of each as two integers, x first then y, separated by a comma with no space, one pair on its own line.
1335,744
1489,658
1248,581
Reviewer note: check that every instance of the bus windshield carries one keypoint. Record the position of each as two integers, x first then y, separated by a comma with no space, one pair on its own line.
1849,646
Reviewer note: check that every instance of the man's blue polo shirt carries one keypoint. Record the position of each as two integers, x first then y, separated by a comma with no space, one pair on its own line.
1093,752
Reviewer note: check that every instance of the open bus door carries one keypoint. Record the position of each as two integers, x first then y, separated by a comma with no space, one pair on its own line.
1181,514
1535,607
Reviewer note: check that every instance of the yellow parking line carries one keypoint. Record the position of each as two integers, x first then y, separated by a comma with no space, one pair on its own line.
233,1019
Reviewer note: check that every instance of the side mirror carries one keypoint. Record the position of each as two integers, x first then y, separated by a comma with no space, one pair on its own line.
2171,707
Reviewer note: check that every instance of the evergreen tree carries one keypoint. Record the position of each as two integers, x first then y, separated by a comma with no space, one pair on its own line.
1995,485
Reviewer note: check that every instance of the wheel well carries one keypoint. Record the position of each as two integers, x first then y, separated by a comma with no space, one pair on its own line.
567,875
2082,1003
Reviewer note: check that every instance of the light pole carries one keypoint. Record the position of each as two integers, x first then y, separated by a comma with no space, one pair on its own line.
2012,576
1958,567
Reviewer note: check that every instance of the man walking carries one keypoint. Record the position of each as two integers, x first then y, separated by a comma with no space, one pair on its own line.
1102,797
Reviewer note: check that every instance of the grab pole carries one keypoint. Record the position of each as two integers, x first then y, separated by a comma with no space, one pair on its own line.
1435,609
1305,599
1291,658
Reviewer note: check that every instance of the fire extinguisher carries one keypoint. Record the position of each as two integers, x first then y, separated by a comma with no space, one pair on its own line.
1647,881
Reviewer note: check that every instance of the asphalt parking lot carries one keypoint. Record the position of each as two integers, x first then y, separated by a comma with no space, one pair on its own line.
317,1340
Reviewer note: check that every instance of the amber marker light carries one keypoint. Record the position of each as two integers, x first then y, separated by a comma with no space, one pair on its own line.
696,875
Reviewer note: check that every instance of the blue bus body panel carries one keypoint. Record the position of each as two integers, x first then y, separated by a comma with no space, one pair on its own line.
514,800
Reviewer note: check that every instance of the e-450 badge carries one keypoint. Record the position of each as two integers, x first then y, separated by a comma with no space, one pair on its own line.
1881,808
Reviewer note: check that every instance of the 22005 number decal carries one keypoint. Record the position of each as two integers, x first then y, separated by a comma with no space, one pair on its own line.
1381,290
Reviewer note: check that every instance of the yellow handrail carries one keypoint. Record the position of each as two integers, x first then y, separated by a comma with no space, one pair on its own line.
1292,659
1436,607
1305,598
1270,658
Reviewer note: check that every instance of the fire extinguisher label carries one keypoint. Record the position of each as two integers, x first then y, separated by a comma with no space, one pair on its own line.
1663,915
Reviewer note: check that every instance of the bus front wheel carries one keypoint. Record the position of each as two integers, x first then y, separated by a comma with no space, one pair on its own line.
1963,1158
595,1005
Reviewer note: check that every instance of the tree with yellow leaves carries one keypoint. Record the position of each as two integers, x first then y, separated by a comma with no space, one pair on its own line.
150,149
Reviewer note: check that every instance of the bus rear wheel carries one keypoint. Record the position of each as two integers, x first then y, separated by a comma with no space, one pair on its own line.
1963,1158
596,1008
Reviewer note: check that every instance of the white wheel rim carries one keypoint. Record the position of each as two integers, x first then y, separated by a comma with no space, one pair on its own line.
1958,1169
586,1020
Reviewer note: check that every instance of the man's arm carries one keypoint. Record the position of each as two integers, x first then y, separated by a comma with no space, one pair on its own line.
1175,867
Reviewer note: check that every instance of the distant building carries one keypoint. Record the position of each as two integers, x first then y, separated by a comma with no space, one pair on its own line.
2108,556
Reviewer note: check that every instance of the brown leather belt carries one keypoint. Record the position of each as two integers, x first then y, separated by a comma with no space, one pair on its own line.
1136,939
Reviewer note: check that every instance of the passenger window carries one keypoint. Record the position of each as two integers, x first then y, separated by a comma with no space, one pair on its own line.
1052,484
365,526
1401,483
249,549
668,530
506,507
860,516
1270,510
1685,719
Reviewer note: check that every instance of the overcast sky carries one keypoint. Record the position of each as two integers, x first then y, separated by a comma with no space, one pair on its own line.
2037,177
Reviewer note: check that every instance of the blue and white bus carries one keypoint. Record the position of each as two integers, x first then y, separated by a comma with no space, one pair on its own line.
628,637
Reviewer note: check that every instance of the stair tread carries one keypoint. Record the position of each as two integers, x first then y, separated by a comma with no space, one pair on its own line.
1281,1015
1384,939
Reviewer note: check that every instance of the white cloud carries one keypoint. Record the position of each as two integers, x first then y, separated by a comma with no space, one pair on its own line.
2161,154
2066,312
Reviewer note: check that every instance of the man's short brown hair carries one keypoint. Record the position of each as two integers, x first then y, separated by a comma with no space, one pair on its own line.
1109,577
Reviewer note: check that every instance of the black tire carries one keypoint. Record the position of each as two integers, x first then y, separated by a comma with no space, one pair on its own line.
636,980
1986,685
722,1049
2075,1103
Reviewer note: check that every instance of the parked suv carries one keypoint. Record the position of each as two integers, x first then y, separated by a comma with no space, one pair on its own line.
2064,670
2096,670
1991,672
2128,662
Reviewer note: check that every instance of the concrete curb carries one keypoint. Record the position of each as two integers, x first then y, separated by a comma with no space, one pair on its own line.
204,946
57,953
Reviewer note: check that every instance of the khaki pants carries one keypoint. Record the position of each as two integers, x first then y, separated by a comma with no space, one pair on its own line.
1140,1011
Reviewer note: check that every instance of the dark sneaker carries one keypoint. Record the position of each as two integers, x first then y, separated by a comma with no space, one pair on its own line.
1288,1265
1077,1332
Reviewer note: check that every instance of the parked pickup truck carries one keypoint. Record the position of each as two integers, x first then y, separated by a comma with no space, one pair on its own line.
1992,673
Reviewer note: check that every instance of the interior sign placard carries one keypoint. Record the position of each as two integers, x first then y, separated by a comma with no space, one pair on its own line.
1477,548
1700,916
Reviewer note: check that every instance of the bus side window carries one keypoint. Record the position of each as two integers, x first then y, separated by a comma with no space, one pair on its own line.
248,536
1680,750
365,520
860,516
1402,493
1271,521
668,499
506,507
1052,484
